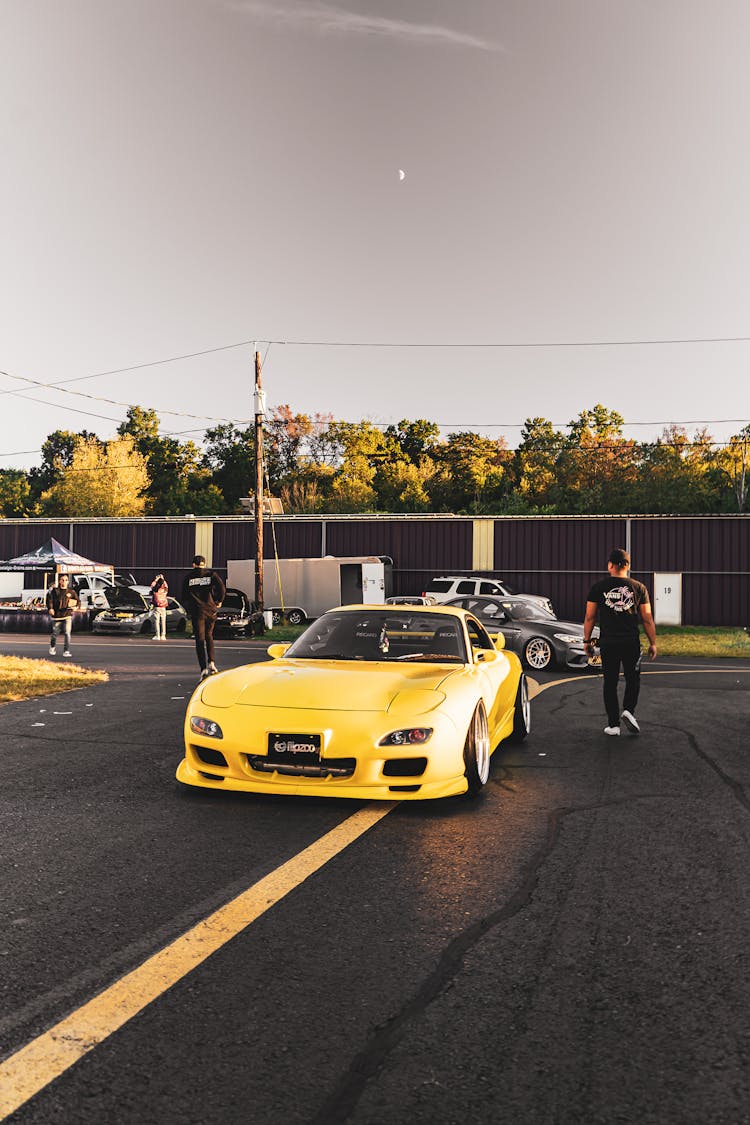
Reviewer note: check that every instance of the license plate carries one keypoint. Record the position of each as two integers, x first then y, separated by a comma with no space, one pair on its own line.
290,749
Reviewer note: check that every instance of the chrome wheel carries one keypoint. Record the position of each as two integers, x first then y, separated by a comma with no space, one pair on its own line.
538,653
521,712
477,751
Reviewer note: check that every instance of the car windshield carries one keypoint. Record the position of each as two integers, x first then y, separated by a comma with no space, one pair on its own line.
382,635
121,597
529,611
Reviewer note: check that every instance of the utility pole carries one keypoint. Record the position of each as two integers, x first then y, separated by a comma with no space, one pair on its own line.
259,403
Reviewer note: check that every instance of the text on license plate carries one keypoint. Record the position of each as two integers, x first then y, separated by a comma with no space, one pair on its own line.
284,747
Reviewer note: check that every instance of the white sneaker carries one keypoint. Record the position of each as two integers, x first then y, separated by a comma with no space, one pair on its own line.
631,723
67,654
52,650
212,669
155,638
611,730
204,673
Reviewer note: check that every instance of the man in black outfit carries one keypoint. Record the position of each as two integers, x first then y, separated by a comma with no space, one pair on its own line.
202,593
619,602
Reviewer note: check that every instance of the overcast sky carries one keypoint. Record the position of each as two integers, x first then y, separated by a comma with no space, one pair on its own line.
184,175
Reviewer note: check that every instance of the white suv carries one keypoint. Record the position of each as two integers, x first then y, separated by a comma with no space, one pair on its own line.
462,585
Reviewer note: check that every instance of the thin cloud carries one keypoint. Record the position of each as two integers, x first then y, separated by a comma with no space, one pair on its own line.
326,19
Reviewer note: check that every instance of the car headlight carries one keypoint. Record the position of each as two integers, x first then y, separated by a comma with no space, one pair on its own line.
207,727
568,638
410,736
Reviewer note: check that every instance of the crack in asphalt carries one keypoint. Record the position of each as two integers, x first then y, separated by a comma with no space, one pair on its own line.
369,1061
736,788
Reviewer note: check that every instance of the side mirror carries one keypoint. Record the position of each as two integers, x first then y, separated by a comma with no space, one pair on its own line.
277,651
484,655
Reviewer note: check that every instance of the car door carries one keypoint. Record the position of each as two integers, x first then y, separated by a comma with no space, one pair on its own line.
491,674
496,619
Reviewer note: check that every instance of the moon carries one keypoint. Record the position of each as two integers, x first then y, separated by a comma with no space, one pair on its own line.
401,174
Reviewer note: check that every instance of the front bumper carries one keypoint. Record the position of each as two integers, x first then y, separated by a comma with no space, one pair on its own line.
360,769
131,627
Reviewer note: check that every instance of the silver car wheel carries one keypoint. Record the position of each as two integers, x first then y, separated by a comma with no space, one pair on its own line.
477,751
538,653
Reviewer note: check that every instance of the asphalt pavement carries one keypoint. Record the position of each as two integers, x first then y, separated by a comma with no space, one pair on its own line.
572,947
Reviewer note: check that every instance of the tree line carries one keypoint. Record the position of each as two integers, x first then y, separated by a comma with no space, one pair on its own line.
317,464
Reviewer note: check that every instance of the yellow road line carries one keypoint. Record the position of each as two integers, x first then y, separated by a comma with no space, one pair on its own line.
45,1058
538,688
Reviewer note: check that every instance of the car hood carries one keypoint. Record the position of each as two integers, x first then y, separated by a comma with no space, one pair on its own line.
327,685
572,628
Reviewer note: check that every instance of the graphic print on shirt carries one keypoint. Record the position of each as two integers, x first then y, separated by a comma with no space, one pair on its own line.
620,599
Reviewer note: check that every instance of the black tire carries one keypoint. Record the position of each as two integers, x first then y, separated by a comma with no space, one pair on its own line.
538,654
521,712
477,752
181,626
277,617
147,627
295,617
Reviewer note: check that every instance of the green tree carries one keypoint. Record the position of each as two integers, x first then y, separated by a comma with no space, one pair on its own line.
15,494
57,454
107,479
229,456
597,467
536,464
177,481
471,471
734,464
677,474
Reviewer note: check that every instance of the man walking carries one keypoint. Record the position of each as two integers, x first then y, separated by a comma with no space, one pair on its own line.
61,601
159,591
202,593
620,602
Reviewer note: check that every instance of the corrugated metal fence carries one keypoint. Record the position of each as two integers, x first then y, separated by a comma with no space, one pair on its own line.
555,555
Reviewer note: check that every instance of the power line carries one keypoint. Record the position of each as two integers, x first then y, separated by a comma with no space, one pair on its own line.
380,425
518,343
109,401
142,366
473,344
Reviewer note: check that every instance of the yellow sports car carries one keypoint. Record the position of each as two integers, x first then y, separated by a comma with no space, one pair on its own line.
369,702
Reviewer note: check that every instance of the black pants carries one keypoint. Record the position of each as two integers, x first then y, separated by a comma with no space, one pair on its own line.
203,631
627,654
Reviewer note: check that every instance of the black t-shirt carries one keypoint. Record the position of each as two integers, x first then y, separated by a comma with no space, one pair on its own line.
202,592
619,602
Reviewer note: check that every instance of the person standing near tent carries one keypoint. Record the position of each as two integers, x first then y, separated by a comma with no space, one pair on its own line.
61,601
159,591
202,593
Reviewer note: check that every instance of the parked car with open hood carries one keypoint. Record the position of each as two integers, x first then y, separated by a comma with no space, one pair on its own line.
236,617
130,612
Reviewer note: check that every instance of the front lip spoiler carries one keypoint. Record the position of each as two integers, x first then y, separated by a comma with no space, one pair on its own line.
262,765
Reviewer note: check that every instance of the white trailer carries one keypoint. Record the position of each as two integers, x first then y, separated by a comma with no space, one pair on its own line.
303,588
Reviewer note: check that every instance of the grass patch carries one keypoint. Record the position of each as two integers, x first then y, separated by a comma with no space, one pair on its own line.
22,678
701,640
283,633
